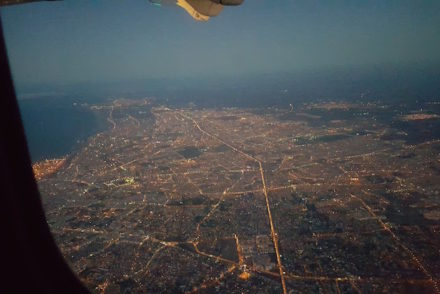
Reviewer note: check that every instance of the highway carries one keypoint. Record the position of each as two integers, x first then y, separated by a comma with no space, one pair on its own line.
273,233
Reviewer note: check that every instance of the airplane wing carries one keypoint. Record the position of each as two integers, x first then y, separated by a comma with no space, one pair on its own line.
12,2
201,10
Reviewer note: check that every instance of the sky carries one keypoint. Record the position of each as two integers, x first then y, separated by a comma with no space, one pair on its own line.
78,41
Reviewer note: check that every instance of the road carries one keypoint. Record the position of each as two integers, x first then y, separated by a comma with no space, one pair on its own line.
273,232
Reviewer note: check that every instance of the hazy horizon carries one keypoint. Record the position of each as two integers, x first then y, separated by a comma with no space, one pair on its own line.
97,42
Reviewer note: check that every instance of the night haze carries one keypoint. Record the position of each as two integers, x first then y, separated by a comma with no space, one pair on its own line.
183,146
71,42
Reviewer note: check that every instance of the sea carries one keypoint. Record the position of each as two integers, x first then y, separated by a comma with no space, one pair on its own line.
56,127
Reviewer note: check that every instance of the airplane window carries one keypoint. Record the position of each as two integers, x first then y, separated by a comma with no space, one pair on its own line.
204,146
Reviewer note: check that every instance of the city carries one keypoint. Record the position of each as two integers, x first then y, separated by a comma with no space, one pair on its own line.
328,197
